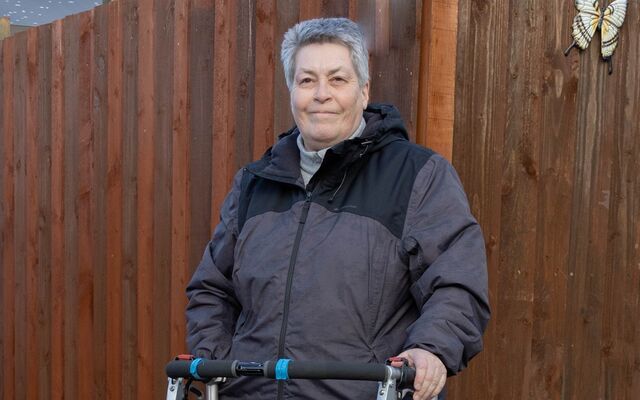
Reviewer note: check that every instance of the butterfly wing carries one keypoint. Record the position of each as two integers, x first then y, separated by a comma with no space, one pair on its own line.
612,20
585,22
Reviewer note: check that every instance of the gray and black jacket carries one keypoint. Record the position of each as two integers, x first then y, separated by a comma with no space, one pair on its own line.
377,254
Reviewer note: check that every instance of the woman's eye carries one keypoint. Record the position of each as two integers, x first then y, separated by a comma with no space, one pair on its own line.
305,80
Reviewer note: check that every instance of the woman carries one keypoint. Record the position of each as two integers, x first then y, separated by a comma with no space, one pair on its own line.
344,242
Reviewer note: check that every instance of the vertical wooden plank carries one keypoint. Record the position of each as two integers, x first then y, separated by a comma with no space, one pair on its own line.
310,9
437,76
3,117
622,299
288,15
130,95
426,39
242,82
382,30
264,80
479,135
57,210
7,237
223,130
520,201
114,204
20,199
145,162
181,189
43,141
352,12
613,269
555,193
83,200
202,33
621,334
71,276
395,65
162,194
323,9
31,215
590,216
98,181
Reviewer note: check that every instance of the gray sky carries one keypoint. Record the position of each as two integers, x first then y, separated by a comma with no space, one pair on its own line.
38,12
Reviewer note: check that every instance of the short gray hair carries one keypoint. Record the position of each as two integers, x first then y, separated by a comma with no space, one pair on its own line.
325,30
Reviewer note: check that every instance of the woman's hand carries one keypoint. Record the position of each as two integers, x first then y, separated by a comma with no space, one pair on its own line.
431,373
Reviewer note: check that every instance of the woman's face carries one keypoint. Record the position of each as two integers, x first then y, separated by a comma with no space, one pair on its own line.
326,100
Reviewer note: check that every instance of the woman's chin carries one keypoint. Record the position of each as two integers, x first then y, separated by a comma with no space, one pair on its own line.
321,141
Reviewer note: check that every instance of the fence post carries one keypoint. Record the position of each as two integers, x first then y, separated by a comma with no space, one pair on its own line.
5,27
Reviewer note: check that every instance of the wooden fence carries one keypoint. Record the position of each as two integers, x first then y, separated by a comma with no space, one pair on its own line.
548,147
120,131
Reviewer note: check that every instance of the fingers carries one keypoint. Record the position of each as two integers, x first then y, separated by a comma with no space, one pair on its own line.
432,385
431,374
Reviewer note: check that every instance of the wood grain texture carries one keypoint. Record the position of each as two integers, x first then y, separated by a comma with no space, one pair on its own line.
114,204
180,184
162,194
57,211
544,145
98,214
44,209
145,200
203,33
130,94
31,214
437,81
20,211
8,217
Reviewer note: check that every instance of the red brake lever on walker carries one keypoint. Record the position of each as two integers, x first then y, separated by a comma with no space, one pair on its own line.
397,362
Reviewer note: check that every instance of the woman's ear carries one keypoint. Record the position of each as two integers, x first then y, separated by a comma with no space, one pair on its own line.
365,95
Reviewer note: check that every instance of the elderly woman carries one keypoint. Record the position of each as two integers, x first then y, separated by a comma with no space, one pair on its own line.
344,242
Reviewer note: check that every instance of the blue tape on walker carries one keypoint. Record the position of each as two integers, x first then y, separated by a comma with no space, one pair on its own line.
193,368
282,369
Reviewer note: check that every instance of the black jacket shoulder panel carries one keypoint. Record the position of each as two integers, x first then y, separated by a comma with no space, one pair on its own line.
378,186
259,195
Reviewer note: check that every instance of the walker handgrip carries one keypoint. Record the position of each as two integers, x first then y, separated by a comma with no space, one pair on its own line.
205,369
408,376
331,370
178,369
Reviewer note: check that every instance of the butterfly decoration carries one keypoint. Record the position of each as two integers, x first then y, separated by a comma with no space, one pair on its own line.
591,18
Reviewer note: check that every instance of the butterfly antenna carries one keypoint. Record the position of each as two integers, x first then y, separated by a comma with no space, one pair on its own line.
566,52
610,63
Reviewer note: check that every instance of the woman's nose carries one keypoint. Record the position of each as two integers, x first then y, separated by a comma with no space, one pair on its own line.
323,92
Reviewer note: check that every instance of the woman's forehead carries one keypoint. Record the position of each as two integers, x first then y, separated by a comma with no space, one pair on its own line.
323,57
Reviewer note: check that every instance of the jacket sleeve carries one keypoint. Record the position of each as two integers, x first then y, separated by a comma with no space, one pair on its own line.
213,308
447,264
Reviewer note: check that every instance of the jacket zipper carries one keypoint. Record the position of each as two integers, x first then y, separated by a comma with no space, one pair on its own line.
287,293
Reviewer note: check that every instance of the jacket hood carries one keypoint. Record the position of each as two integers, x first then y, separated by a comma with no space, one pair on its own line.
383,126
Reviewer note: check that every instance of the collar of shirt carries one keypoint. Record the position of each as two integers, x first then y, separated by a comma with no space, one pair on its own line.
310,161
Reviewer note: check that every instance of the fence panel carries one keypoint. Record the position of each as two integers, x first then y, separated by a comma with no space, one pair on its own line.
546,146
